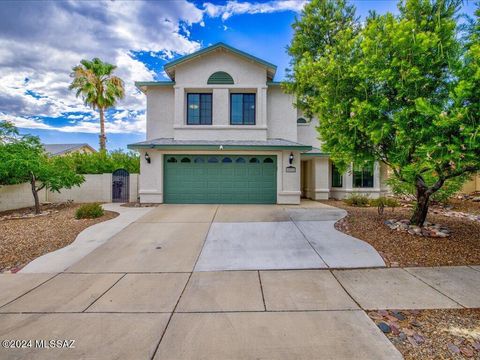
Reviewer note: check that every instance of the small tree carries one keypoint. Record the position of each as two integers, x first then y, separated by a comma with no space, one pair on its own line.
401,89
23,159
99,88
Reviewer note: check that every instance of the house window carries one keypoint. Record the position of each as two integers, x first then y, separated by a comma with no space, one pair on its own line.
199,109
337,178
363,176
301,120
242,109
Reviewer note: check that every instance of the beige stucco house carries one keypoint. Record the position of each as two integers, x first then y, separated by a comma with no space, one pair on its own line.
223,131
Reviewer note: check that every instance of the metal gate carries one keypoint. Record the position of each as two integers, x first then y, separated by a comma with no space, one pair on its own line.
120,186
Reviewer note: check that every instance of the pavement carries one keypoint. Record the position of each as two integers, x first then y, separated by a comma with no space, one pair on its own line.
87,241
146,292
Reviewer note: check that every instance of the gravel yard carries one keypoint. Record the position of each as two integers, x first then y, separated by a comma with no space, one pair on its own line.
432,334
22,240
402,249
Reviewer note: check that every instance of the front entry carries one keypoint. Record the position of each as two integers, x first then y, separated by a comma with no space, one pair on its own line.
225,179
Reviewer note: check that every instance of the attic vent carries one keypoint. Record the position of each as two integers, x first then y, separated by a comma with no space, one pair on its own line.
220,77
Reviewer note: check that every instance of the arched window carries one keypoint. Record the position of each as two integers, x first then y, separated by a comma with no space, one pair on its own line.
240,160
185,160
254,161
227,160
301,120
220,77
172,160
268,161
199,160
213,159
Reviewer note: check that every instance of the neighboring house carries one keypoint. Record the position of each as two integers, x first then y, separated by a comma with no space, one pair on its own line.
223,131
63,149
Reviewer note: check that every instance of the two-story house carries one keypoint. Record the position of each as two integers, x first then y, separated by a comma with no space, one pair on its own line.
223,131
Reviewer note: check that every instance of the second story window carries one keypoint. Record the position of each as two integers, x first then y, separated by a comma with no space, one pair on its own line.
242,109
199,109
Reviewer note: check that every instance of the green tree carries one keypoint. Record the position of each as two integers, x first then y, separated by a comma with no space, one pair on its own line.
398,89
100,89
23,159
104,162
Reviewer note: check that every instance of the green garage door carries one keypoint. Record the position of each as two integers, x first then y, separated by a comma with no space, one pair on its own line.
208,179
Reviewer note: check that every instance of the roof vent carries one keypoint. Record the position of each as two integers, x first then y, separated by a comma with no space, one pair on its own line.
220,77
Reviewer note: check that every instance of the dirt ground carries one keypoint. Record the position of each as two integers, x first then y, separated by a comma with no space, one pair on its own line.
433,334
400,248
22,240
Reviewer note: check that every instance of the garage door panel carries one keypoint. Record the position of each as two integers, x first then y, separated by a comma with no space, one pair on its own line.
236,180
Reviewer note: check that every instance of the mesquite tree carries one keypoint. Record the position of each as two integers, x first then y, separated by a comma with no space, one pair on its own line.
23,160
401,89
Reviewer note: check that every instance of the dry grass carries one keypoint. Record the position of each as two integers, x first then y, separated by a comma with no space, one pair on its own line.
444,334
402,249
22,240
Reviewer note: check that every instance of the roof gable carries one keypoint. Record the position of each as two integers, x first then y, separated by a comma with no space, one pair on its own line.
170,67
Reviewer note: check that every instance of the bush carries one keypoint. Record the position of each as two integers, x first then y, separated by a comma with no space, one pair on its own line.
105,162
357,200
89,211
382,202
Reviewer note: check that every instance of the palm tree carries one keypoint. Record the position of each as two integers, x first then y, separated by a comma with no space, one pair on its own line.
99,89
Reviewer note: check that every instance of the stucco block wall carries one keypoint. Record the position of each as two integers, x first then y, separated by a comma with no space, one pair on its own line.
96,188
472,185
197,72
308,134
160,104
281,115
18,196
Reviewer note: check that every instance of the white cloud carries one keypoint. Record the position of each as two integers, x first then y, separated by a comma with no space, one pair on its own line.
42,41
232,8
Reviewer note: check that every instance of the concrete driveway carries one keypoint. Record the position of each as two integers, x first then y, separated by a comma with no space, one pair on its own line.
137,296
231,237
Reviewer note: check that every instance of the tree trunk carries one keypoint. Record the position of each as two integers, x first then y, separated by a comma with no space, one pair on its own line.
102,136
35,194
421,210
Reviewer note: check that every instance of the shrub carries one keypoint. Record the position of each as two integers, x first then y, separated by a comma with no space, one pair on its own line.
105,162
382,202
89,211
357,200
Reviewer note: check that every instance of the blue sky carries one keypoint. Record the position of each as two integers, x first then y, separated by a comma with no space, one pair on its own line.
41,41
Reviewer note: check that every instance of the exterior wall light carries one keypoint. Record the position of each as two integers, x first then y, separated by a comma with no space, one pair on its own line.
147,158
290,159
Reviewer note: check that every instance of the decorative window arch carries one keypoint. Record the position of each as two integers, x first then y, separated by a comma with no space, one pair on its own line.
213,159
268,161
240,160
301,120
226,160
254,161
199,160
220,77
172,160
185,160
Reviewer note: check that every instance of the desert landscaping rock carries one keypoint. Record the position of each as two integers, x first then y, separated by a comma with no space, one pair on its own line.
428,230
